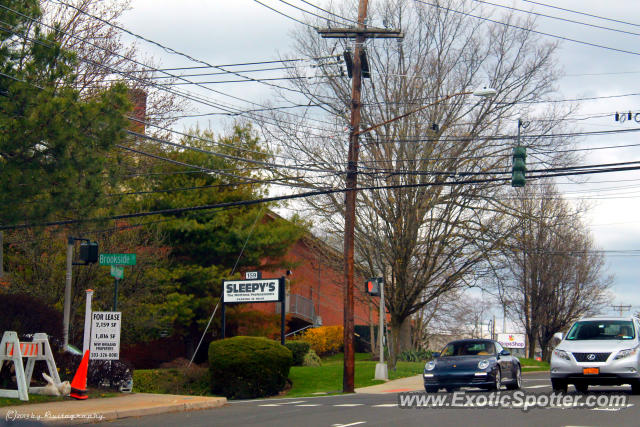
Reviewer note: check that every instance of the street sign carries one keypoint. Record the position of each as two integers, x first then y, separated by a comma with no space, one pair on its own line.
117,271
105,335
117,259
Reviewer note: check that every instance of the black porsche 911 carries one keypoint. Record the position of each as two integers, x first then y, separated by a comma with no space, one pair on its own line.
472,363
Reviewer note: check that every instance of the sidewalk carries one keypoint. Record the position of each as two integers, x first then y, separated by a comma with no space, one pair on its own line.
414,383
108,408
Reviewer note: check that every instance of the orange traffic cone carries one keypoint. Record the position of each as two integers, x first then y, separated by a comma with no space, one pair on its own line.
79,383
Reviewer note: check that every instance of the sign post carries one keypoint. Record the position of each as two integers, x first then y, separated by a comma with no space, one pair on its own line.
117,261
252,291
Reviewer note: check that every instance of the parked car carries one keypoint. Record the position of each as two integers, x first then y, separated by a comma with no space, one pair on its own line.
472,363
598,351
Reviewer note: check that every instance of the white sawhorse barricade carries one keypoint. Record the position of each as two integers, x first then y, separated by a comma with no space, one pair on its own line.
13,350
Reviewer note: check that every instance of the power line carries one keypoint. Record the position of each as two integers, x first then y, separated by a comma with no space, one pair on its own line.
557,18
582,13
226,205
529,29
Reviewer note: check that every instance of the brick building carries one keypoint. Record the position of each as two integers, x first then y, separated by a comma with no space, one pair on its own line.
315,287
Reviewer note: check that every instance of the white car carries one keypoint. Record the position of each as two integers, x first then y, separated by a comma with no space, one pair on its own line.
598,351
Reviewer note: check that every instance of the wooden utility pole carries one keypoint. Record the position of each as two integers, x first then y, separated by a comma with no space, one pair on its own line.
621,308
360,33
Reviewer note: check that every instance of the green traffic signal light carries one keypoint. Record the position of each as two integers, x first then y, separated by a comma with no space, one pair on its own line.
519,166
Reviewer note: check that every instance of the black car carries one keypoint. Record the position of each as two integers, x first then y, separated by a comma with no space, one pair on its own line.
472,363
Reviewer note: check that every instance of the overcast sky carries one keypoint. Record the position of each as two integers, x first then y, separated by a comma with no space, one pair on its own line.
237,31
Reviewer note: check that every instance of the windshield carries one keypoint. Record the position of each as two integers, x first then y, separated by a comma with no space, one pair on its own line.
482,348
601,330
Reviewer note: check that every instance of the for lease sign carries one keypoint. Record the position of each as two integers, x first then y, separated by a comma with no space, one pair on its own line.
105,335
258,290
511,340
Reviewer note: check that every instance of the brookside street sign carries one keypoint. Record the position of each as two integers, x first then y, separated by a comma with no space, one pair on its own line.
257,290
117,259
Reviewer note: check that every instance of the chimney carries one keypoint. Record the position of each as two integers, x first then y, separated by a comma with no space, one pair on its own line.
138,98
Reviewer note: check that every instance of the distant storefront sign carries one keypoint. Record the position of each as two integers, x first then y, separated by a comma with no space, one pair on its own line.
511,340
258,290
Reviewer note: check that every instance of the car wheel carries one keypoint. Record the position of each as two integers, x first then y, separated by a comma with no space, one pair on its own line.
635,387
559,385
497,383
431,389
517,380
582,388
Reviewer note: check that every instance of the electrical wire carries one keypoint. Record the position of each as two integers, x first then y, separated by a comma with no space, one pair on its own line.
529,29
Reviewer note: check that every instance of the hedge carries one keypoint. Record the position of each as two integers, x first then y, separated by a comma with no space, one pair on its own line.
299,349
248,367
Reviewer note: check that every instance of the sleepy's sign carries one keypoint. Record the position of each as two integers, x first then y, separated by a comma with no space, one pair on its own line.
257,290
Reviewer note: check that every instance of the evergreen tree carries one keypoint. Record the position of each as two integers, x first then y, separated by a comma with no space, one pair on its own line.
54,144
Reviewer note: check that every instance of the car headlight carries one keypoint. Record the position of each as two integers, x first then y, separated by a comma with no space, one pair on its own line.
562,354
483,364
430,366
626,353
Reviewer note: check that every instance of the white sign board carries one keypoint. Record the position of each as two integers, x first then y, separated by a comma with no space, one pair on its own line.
259,290
105,335
511,340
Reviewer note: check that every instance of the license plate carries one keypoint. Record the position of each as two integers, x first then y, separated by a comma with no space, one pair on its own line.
590,371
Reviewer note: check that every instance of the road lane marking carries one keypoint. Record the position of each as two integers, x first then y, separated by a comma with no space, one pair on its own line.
292,403
309,404
538,386
271,404
348,405
347,425
385,405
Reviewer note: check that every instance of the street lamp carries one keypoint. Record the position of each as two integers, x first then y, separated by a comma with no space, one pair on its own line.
350,210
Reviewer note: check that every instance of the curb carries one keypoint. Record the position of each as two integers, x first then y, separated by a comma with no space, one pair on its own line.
65,413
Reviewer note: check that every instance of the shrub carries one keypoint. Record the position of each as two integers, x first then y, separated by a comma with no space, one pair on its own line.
100,374
26,314
248,367
415,356
325,340
299,349
311,359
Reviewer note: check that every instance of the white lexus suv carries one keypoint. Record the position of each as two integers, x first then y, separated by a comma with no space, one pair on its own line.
598,351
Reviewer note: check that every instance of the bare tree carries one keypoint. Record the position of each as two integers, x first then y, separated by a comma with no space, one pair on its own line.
552,274
86,27
430,177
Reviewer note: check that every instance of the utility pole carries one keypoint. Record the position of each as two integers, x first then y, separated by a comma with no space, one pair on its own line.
360,33
621,308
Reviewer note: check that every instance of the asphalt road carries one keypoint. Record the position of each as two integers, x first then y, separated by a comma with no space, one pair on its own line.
382,410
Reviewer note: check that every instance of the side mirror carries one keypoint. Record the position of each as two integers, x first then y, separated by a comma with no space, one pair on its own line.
558,335
505,353
435,354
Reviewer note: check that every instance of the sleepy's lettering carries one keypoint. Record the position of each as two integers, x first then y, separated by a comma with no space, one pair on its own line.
235,288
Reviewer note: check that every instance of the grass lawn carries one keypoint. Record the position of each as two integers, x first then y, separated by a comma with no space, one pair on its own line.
532,365
327,378
306,379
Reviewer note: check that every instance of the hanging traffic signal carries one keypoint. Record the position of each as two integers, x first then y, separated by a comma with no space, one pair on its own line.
372,286
89,252
519,166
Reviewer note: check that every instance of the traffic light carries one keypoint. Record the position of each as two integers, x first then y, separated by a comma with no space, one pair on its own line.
519,166
372,286
89,252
